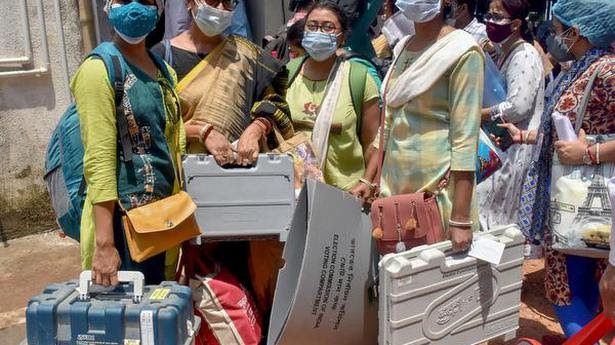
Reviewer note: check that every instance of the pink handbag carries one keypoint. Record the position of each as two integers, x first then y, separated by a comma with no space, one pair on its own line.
401,222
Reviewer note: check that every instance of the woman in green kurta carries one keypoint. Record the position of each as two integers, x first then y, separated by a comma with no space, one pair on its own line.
351,133
151,108
434,96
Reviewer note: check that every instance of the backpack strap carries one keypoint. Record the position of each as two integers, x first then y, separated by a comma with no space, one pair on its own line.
358,77
294,67
164,67
122,121
116,78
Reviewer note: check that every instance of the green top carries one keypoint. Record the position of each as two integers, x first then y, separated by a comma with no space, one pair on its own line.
435,132
94,98
345,161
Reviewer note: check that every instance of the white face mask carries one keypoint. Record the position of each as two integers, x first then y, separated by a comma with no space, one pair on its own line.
212,21
130,40
397,27
419,11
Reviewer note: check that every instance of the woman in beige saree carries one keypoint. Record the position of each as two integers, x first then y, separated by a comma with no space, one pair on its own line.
232,97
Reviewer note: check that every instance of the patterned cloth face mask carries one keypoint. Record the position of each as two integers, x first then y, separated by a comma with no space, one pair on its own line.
133,21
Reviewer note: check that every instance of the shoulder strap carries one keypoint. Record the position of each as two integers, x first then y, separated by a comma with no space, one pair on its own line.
586,95
514,47
116,77
164,68
168,51
294,67
122,121
357,78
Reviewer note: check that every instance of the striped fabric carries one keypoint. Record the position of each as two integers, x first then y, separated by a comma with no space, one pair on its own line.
229,313
232,86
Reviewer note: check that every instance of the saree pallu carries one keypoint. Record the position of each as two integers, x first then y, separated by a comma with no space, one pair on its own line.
234,84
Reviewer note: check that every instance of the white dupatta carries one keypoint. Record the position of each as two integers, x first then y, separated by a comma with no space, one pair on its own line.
322,126
428,68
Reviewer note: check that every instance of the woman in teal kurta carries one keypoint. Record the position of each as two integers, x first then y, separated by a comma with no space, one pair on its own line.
151,108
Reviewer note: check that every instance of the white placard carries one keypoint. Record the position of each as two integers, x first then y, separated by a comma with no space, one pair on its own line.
487,250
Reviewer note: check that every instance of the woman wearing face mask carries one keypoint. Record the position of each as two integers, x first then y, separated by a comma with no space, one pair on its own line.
152,110
584,31
230,91
342,146
521,66
433,95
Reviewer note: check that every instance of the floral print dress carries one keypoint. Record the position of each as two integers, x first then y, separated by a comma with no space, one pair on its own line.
599,119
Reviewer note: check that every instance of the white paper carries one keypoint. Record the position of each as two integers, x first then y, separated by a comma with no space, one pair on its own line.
147,327
487,250
563,127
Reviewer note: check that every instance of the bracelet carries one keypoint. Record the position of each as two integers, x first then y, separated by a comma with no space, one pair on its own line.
264,124
261,126
468,225
205,131
597,153
587,160
526,139
366,182
592,158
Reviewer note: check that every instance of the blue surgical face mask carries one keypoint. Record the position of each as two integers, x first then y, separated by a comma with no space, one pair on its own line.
133,21
319,45
419,11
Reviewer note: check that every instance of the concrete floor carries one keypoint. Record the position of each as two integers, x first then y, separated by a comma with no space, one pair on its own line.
27,265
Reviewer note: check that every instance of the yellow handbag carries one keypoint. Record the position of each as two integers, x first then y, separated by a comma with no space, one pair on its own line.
164,224
159,226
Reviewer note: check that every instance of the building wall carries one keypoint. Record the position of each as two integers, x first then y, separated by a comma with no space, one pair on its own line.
30,106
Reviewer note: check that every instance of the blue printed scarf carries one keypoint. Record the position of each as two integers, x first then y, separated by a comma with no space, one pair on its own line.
536,192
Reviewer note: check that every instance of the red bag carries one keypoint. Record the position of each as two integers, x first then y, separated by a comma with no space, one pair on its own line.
402,222
226,308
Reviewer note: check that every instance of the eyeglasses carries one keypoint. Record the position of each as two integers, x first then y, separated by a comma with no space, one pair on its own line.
326,27
228,5
496,18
